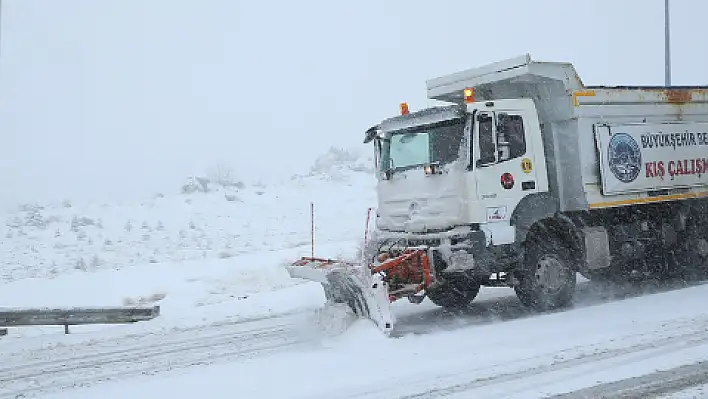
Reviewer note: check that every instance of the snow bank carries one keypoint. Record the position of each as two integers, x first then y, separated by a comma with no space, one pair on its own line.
233,290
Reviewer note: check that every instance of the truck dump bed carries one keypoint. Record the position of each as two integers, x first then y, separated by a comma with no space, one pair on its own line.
578,121
547,83
666,130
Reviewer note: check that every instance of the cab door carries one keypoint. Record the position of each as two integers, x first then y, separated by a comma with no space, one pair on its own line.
505,172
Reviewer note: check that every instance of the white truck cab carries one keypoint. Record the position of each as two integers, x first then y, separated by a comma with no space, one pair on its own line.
436,174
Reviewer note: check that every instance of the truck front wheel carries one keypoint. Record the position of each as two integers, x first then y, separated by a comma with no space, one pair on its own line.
547,279
457,292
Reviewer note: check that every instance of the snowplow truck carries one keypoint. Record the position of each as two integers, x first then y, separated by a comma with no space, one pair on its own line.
522,178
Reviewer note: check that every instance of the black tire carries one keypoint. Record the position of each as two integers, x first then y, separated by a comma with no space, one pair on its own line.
692,254
547,278
457,292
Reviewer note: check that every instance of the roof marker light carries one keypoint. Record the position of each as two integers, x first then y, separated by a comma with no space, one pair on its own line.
469,95
404,108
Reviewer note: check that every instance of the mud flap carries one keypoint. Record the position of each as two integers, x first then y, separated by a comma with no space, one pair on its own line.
351,284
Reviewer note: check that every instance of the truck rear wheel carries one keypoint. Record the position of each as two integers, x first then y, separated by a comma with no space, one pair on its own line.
547,278
694,251
457,292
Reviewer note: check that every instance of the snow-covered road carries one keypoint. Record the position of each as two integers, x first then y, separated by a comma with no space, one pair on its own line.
495,349
640,348
43,370
549,373
687,381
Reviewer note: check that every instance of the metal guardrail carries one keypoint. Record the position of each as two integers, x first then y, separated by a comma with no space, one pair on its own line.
74,316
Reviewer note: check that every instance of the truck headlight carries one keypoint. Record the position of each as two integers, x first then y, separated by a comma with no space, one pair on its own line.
431,169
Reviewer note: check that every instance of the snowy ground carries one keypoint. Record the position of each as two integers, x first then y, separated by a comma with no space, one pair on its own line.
233,323
200,256
495,349
232,218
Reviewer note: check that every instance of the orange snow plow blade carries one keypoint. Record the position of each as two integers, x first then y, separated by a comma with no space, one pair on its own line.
369,289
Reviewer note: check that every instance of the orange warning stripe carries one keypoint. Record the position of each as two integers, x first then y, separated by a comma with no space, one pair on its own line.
649,200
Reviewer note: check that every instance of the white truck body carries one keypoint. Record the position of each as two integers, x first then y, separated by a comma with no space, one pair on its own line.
579,152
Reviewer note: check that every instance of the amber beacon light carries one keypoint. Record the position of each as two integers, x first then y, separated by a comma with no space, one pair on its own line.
469,95
404,108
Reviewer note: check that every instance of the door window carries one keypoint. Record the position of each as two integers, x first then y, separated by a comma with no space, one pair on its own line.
502,141
510,136
487,144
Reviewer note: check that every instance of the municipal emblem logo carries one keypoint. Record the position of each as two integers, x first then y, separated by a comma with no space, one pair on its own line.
624,157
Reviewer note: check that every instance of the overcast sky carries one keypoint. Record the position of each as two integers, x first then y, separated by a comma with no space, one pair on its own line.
111,98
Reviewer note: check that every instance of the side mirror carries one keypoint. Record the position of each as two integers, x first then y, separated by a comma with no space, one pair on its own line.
371,133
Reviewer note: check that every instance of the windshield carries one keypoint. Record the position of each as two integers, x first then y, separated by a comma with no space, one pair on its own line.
422,145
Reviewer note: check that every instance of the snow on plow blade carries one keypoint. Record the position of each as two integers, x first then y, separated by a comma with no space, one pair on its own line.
351,284
369,289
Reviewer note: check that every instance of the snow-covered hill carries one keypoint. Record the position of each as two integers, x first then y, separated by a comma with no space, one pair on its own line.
215,217
213,250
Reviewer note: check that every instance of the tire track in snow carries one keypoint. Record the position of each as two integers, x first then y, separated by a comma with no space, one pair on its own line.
92,353
599,360
190,348
654,385
37,369
521,380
